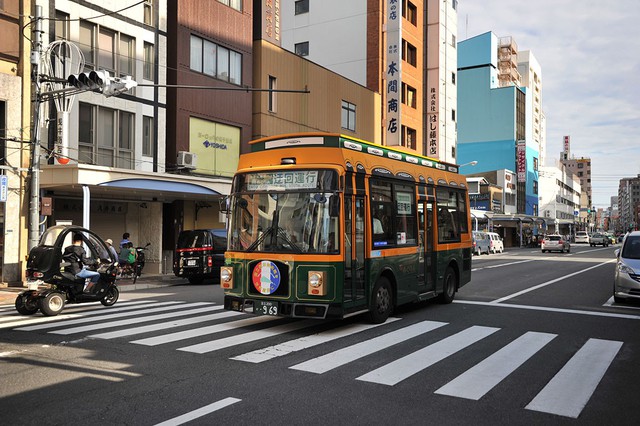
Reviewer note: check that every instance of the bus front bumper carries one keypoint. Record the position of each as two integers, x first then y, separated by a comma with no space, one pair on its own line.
276,308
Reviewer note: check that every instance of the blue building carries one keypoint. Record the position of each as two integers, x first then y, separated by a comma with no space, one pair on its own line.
493,128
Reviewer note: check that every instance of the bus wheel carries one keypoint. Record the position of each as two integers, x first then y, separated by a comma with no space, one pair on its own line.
382,302
449,287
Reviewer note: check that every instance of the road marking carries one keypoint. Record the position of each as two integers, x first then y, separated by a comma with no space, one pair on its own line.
202,331
351,353
71,310
265,354
519,293
613,304
503,264
480,379
135,320
58,320
549,309
569,390
405,367
251,336
166,325
208,409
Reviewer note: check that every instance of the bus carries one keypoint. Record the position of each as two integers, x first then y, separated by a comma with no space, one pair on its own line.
324,225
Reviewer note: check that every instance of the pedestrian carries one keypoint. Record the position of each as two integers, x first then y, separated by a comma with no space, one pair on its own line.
78,261
112,249
125,239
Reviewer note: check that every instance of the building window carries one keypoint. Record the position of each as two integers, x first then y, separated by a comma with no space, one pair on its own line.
126,53
409,137
453,78
409,53
410,12
409,95
454,4
535,164
535,186
148,71
235,4
302,6
348,118
98,143
62,30
147,136
87,43
106,49
453,40
302,49
216,61
453,115
580,165
272,94
148,12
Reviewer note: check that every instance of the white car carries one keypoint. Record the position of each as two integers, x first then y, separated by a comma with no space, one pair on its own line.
496,246
582,237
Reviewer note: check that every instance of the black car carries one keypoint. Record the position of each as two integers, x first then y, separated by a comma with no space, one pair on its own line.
199,254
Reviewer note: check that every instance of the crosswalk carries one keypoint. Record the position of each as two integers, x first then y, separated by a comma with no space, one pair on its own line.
203,328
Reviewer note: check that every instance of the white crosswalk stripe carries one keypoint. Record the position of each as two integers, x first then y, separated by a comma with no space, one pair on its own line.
569,390
477,381
411,364
261,355
344,356
565,395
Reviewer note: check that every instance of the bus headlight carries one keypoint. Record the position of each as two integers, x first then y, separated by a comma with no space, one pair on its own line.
316,283
226,277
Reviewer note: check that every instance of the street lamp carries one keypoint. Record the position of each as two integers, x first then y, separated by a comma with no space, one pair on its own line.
470,163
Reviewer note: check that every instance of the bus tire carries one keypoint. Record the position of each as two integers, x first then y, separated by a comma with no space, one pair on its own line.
381,301
449,286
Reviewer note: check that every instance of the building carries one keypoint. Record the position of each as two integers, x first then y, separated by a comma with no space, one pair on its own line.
581,167
531,78
629,203
493,113
406,51
559,198
15,133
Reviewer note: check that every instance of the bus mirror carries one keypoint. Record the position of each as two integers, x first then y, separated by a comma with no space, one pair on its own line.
224,205
334,206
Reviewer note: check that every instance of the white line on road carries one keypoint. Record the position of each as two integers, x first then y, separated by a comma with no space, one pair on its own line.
611,303
405,367
351,353
569,390
208,409
519,293
251,336
480,379
549,309
295,345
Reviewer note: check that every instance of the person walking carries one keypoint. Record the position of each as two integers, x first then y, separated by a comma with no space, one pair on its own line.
112,249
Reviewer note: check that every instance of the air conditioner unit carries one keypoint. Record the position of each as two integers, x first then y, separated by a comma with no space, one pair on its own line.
547,213
186,160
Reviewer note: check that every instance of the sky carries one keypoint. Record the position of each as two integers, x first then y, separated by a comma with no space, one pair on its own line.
589,53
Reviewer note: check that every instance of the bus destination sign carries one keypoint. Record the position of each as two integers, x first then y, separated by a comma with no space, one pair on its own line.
282,181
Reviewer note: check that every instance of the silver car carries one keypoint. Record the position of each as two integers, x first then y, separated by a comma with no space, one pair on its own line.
626,284
555,243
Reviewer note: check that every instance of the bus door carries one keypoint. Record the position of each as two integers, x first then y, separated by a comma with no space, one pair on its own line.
354,244
426,254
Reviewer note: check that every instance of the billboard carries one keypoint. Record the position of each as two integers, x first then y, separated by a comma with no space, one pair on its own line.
392,73
216,145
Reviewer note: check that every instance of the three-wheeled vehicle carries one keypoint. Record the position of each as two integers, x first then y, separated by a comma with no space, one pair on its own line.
45,265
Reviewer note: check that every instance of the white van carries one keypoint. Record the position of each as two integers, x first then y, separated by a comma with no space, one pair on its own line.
497,246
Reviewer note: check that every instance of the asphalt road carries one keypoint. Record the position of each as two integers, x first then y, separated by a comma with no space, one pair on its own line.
533,339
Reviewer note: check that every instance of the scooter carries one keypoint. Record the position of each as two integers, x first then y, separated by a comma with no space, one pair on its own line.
45,266
135,270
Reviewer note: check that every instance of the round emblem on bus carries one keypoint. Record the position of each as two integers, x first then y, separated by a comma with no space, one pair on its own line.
266,277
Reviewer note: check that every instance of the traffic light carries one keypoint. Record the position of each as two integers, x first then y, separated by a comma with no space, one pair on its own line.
96,81
119,85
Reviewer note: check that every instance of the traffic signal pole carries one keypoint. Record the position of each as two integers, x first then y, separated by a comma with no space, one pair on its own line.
34,168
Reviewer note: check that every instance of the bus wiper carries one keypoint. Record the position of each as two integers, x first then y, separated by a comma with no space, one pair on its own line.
283,234
260,239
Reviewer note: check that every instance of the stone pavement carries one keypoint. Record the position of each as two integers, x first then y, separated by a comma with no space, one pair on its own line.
8,294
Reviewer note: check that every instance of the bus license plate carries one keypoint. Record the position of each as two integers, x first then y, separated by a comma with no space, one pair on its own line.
265,307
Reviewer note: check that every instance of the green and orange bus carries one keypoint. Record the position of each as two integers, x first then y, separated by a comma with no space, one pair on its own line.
327,226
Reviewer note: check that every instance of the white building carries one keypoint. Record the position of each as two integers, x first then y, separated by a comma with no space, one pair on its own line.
531,79
559,198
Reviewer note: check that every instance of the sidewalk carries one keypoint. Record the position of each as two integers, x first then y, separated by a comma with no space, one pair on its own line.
8,294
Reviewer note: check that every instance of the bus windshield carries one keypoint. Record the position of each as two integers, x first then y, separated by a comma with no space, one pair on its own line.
290,222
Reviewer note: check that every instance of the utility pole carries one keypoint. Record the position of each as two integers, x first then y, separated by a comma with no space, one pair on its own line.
34,169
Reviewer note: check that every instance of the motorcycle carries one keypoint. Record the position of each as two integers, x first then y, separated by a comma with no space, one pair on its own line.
45,265
134,270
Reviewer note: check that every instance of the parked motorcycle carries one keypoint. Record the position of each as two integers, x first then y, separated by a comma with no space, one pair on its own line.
135,270
45,265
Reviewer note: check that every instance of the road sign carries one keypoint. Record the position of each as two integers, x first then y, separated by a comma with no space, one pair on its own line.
4,188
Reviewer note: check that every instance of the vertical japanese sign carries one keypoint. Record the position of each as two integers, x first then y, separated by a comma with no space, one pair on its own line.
4,188
392,72
566,144
271,21
521,158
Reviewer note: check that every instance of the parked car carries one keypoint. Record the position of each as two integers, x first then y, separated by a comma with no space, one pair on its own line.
555,243
599,239
626,282
496,246
481,243
582,237
612,238
199,254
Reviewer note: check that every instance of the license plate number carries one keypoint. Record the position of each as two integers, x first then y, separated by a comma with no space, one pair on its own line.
264,307
191,262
